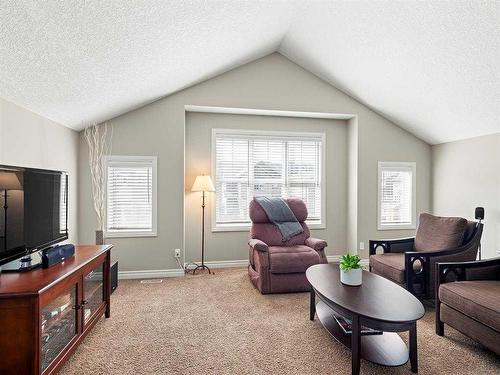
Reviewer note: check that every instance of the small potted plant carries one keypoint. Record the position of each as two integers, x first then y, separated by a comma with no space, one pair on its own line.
350,270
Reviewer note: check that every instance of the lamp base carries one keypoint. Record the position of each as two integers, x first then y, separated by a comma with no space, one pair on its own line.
201,267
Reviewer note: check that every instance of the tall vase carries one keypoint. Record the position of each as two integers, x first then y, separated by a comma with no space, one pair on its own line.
99,237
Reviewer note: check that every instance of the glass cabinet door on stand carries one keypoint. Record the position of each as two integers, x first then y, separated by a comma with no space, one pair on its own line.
46,313
59,324
93,293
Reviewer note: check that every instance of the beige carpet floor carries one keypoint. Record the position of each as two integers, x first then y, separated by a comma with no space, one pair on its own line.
219,324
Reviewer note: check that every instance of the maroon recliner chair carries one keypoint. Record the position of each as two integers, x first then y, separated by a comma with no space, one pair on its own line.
277,266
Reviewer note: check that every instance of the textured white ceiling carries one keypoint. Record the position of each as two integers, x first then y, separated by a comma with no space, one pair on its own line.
78,61
431,67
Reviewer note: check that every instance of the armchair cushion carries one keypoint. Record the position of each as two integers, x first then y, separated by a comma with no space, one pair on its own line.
389,265
480,300
436,233
258,244
292,259
316,243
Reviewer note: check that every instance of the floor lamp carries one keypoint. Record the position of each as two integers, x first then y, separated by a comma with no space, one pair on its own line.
8,181
479,214
204,184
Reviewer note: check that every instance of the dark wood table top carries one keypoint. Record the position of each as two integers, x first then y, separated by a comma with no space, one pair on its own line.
36,281
377,298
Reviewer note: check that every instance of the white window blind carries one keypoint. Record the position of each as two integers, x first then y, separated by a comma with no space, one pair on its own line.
130,196
396,195
264,164
63,204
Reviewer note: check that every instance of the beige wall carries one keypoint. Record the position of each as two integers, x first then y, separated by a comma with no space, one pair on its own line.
272,82
381,141
466,174
29,140
225,246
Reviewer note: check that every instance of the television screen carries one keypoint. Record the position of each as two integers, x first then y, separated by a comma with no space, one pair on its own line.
33,210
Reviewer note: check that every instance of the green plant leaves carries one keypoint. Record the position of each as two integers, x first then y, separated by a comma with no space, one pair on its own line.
349,262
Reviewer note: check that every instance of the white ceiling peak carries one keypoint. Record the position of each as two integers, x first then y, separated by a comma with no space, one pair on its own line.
431,67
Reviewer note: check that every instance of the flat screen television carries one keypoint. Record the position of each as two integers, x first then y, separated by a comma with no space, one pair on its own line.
33,210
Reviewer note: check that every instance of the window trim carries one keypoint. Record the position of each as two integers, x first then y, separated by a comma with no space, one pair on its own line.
131,159
392,164
238,227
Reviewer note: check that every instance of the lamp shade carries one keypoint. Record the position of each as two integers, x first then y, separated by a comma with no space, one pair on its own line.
203,183
9,181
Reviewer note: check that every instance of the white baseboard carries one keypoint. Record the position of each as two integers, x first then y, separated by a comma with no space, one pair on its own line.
155,274
149,274
244,263
228,263
333,258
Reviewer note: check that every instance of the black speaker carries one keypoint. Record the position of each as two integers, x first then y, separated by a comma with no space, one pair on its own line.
57,254
114,276
479,213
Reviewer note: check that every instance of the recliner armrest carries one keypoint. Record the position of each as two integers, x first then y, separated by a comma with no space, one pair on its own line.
316,243
258,245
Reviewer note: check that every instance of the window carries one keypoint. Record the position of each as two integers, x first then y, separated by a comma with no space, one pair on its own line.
63,204
260,163
396,195
130,196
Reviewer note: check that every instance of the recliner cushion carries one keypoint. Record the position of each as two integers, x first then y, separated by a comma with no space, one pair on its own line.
291,259
389,265
480,300
436,233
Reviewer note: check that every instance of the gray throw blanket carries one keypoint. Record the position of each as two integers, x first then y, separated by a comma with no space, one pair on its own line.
281,215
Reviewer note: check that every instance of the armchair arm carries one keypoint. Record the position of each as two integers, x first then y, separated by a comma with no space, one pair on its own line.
258,245
420,267
399,245
436,253
478,270
316,243
426,256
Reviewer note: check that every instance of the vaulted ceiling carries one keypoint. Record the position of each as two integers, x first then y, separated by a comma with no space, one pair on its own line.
431,67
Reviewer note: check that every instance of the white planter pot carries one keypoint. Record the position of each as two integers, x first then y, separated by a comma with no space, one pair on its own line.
351,277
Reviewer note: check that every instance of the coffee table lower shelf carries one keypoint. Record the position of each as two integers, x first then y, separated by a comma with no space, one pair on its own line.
387,349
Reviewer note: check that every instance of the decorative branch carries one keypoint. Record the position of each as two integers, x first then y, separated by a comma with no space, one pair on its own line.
99,140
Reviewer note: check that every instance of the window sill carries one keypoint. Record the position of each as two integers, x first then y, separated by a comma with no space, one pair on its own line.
129,234
396,227
316,226
231,228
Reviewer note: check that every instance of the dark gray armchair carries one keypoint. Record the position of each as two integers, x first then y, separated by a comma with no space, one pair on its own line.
411,262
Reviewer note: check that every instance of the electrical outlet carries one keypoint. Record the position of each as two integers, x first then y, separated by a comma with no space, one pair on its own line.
361,246
177,253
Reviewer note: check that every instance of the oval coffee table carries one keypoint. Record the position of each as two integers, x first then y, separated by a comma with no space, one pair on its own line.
379,304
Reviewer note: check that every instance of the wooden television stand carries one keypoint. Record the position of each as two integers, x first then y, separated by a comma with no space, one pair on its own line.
46,313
